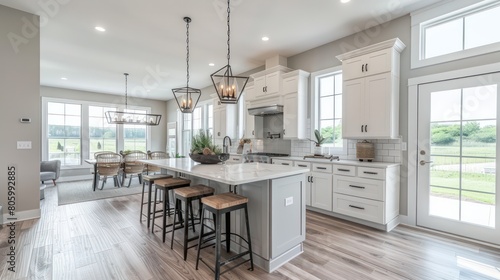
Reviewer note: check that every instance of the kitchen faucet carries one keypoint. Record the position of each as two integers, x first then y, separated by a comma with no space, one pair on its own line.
225,148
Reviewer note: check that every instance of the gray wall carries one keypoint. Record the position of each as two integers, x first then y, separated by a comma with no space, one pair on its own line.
20,98
323,57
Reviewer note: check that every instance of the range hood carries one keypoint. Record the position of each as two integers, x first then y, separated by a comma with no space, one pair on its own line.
266,110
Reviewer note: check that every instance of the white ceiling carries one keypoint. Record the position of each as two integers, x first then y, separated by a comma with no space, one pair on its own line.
145,37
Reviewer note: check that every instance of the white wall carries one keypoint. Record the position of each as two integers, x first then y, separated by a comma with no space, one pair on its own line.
20,98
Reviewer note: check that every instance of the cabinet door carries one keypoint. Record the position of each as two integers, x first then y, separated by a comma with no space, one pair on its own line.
322,185
259,86
249,93
220,123
378,108
353,109
308,190
272,83
353,68
290,117
290,85
249,123
378,62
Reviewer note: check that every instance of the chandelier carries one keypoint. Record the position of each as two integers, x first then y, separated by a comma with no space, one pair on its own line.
124,117
228,87
187,97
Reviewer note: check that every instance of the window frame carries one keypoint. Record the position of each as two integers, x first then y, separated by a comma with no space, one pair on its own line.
85,133
443,12
315,76
205,125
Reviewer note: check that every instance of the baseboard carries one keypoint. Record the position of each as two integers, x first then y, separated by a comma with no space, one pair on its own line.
22,216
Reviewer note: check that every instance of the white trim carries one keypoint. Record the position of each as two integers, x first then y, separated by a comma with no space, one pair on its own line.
395,43
23,215
440,11
411,162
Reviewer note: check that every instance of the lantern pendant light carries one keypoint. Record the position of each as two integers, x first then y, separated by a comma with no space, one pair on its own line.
124,117
187,97
229,88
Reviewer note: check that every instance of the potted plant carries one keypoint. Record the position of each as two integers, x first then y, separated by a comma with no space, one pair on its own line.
203,150
319,140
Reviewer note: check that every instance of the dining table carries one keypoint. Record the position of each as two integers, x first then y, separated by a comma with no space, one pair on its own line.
95,179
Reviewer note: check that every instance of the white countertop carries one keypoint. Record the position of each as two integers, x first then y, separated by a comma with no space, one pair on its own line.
343,162
232,174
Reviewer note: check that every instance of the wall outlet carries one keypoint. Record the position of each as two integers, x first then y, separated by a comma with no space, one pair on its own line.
404,146
23,145
289,201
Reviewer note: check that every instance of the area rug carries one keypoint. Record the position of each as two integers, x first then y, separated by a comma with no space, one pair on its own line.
81,191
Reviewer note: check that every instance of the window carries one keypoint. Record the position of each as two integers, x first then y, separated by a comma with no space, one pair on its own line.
135,135
450,32
172,139
74,130
327,86
102,135
64,132
191,124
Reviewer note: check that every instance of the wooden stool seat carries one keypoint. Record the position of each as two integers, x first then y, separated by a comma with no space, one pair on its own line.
193,191
155,177
224,200
172,182
149,180
187,195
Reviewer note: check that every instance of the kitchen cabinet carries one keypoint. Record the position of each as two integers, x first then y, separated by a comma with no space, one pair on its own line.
295,104
370,98
267,85
224,119
249,123
308,183
372,195
282,162
321,186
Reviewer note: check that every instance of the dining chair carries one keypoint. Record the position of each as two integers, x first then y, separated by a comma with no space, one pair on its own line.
132,166
156,155
108,164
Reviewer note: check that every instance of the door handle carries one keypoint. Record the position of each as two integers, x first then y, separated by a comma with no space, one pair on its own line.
283,163
253,132
423,162
363,68
366,67
357,207
312,179
357,187
283,131
366,128
309,179
361,128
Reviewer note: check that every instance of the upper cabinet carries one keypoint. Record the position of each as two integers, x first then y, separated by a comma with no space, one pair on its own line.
370,102
267,83
295,104
225,119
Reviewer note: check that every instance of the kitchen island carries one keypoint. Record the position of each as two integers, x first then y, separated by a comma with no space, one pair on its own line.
276,203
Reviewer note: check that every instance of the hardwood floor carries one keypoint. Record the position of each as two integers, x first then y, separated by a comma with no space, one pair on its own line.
104,240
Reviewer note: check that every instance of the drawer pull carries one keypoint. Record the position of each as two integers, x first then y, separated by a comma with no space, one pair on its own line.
371,173
284,163
322,168
357,187
237,159
301,165
357,207
343,170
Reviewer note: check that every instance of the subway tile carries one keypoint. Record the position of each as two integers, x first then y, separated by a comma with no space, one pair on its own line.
395,153
388,146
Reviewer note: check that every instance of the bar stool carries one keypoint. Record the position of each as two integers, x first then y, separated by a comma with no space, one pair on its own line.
166,185
150,180
219,205
187,195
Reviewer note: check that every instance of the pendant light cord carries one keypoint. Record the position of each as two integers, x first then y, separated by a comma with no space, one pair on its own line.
187,51
126,95
228,32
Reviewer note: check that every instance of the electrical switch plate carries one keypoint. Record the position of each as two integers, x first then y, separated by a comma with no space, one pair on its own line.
23,145
289,201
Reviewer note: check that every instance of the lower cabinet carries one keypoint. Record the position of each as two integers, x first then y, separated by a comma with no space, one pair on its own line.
321,194
308,180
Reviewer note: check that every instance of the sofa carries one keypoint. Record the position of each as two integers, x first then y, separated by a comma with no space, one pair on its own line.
50,170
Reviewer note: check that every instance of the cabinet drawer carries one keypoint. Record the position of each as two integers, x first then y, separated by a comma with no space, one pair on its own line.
290,85
361,208
302,164
365,188
324,168
371,173
283,162
344,170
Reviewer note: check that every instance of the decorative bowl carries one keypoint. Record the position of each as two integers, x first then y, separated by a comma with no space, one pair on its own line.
209,159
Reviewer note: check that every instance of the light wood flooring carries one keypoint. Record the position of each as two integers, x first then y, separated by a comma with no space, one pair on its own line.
104,240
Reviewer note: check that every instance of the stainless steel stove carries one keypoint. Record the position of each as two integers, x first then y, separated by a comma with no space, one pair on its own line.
261,157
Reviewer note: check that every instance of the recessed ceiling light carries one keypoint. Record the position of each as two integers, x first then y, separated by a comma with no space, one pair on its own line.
64,78
211,64
265,39
99,28
345,1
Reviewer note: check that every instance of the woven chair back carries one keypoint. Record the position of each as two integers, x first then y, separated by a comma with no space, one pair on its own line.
156,155
108,164
132,165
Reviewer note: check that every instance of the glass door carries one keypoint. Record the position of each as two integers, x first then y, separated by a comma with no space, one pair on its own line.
458,150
